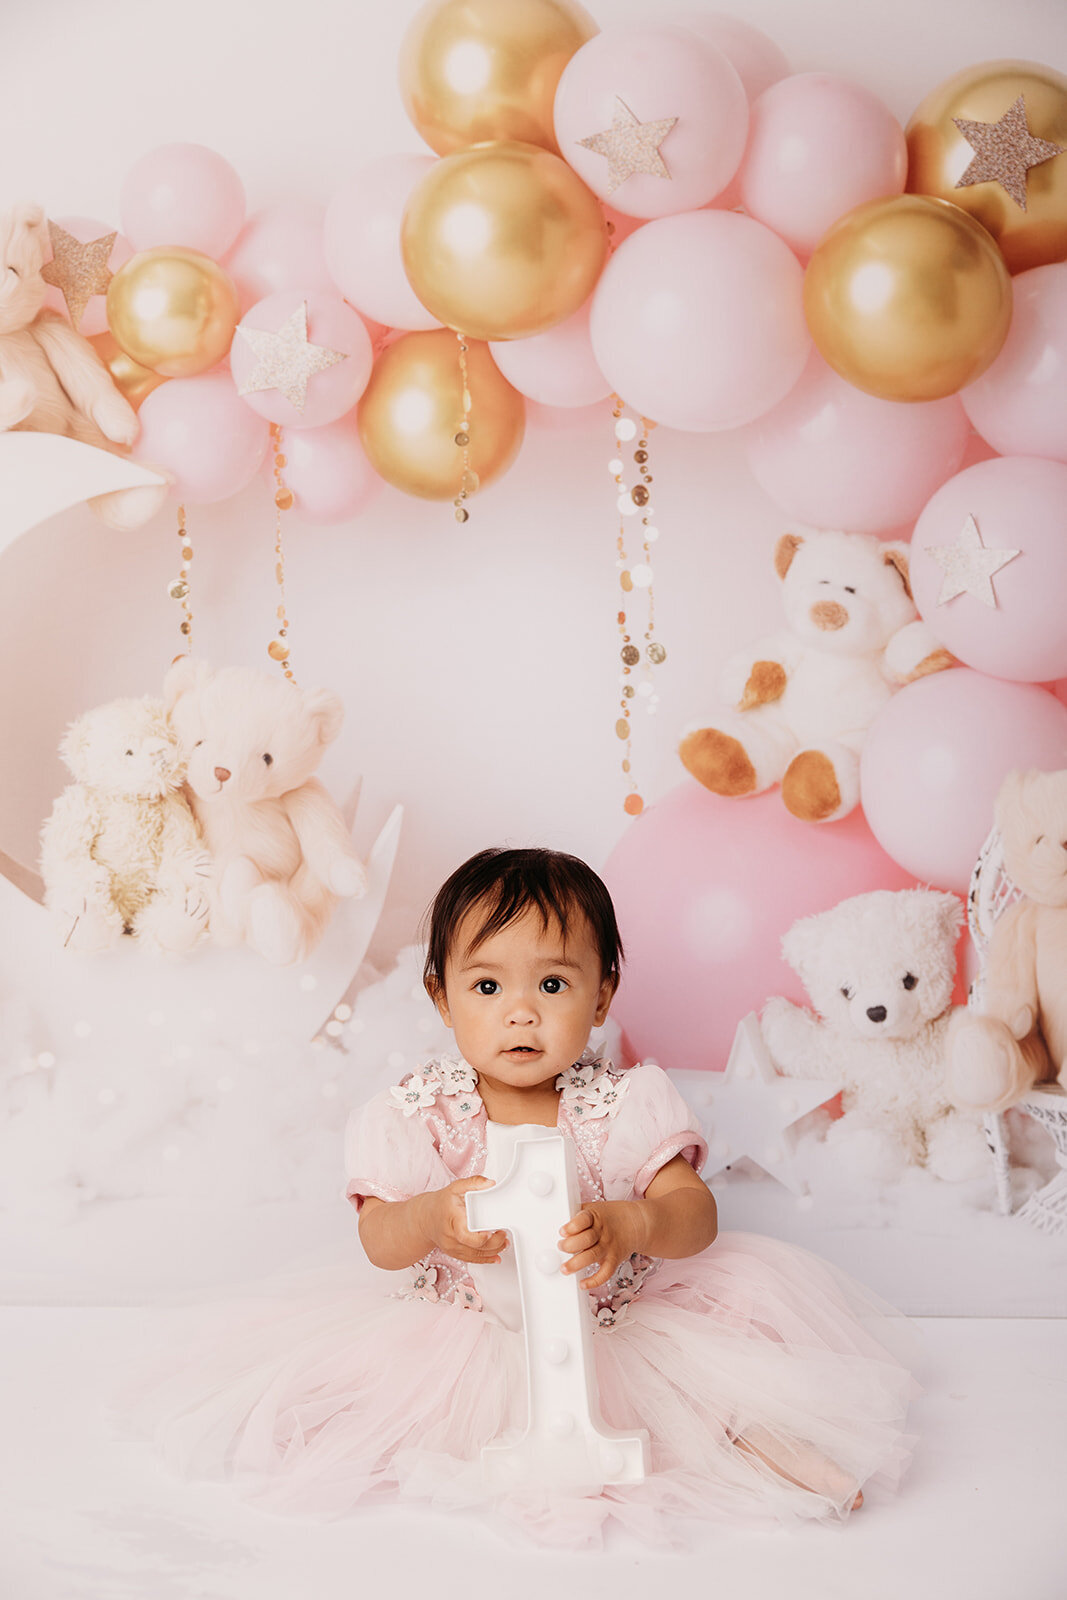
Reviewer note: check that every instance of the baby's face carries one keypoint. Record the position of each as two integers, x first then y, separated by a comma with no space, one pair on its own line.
523,1002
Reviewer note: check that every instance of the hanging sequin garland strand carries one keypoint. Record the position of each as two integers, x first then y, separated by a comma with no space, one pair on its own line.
468,483
278,649
178,588
635,579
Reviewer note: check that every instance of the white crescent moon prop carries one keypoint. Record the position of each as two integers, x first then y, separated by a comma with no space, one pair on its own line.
42,474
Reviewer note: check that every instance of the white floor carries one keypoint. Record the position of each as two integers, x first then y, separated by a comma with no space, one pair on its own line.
85,1517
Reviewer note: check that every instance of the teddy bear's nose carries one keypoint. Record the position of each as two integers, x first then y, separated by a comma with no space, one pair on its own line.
222,773
828,615
876,1013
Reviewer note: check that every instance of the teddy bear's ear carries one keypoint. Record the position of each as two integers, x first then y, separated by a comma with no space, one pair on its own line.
949,915
184,677
327,710
784,551
22,228
896,555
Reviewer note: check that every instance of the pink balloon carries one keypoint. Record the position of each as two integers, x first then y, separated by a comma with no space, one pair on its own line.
203,434
331,325
183,194
698,320
329,473
756,59
1019,503
934,760
572,420
557,367
834,457
704,889
362,241
279,248
1019,404
85,230
817,146
657,73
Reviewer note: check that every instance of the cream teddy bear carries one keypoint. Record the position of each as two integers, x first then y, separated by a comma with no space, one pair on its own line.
51,378
804,698
880,969
1020,1036
280,848
120,853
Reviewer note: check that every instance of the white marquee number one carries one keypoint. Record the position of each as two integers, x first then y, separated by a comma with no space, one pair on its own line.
567,1445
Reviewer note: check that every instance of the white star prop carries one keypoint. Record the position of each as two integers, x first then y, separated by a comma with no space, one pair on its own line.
751,1108
968,566
631,146
286,360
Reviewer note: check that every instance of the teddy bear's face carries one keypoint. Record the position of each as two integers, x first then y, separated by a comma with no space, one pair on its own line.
881,965
1032,817
845,593
125,749
246,734
22,289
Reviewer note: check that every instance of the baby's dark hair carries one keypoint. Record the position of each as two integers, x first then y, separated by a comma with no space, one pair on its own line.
505,884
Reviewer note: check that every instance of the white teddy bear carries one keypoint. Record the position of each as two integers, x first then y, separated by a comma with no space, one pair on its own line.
880,969
120,853
804,698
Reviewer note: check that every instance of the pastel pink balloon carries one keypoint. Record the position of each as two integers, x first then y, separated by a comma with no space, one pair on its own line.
657,73
704,889
572,420
183,194
362,241
1019,503
1019,404
331,325
834,457
279,248
85,230
557,367
203,434
935,757
756,59
698,320
817,146
329,473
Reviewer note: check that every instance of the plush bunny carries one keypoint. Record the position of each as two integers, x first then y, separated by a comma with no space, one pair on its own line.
280,848
51,378
120,853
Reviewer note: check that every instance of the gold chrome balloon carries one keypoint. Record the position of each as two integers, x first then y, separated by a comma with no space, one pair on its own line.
503,241
413,406
939,155
128,376
173,310
488,69
908,298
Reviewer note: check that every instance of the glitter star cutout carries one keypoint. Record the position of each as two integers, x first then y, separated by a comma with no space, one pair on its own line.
1004,151
631,146
968,566
78,270
286,360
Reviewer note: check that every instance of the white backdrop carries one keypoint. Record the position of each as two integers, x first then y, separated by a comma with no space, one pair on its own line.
479,666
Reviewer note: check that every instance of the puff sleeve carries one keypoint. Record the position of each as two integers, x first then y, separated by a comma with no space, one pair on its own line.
389,1155
652,1126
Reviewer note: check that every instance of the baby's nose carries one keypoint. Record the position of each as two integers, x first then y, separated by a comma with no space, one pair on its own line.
876,1013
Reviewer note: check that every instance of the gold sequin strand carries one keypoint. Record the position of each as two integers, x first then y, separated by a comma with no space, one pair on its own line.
278,649
468,483
178,588
634,579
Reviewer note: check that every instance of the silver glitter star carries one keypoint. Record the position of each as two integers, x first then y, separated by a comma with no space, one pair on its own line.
631,146
968,566
1004,151
78,270
286,360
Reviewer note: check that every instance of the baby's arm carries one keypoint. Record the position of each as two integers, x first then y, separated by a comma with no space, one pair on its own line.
397,1233
677,1218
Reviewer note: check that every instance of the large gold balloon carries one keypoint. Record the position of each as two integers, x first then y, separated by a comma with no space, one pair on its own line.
412,410
173,310
128,376
938,156
487,69
908,298
503,241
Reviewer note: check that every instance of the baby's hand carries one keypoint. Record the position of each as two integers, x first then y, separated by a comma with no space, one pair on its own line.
447,1224
606,1234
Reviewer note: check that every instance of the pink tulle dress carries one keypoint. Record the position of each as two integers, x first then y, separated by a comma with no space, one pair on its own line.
350,1396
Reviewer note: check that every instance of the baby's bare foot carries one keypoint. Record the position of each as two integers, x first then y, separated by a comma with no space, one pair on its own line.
802,1465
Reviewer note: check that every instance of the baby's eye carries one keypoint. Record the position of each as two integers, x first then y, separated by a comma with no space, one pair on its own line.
909,980
849,589
487,986
553,985
847,992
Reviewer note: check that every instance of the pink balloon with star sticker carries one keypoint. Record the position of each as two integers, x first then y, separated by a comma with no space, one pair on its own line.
314,396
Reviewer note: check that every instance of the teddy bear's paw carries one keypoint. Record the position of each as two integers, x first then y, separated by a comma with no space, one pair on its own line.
273,927
718,761
956,1150
172,925
128,509
347,877
785,1029
116,418
866,1153
985,1068
87,928
811,790
17,399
